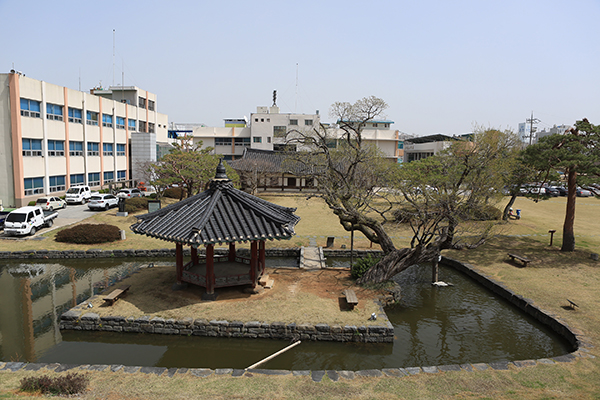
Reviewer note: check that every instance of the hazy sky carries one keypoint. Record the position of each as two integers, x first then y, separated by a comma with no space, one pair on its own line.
442,66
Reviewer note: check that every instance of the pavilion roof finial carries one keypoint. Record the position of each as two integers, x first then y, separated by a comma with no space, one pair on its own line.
221,173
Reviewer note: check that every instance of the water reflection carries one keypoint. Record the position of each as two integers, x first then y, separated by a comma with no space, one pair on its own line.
464,323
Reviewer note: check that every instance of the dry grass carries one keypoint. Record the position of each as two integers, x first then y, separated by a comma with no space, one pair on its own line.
549,280
298,296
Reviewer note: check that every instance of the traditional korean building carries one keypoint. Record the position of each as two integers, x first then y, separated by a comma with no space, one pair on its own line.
219,215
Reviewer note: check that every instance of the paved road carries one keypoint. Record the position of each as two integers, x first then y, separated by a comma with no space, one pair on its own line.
67,216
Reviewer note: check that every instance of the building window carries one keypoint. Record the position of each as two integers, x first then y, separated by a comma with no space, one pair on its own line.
308,122
262,120
131,124
150,127
242,141
107,120
279,131
75,115
54,111
34,186
30,108
257,139
151,105
121,175
293,122
57,183
120,149
141,102
255,119
76,179
94,179
91,118
268,139
56,148
75,149
109,176
93,149
107,149
374,125
401,145
32,147
120,123
222,141
142,126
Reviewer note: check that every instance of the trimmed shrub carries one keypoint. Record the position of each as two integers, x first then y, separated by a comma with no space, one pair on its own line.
70,384
174,193
136,204
31,203
89,234
362,265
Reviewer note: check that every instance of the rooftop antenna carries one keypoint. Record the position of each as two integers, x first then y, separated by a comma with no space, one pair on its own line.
296,100
274,98
113,58
80,79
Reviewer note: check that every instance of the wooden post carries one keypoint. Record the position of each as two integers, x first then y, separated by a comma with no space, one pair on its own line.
231,252
179,262
434,270
253,262
210,269
261,256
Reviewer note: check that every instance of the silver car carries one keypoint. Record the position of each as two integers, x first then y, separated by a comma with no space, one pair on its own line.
50,203
129,193
103,201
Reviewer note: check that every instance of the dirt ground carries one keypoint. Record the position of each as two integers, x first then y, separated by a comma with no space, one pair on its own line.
297,295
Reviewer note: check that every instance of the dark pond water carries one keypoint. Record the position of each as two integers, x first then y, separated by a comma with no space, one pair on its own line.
464,323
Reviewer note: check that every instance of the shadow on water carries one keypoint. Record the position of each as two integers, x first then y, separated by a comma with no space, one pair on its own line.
464,323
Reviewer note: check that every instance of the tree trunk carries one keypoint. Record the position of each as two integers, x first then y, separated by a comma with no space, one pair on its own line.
568,243
511,202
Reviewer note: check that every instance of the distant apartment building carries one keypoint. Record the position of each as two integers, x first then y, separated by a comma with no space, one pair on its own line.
268,129
525,134
560,129
54,137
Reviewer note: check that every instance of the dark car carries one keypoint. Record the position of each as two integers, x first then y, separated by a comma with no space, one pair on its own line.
561,190
550,191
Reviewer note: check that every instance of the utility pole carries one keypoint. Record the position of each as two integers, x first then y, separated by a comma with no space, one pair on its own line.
531,128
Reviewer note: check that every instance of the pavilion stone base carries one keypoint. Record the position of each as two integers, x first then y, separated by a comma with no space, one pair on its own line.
209,296
79,319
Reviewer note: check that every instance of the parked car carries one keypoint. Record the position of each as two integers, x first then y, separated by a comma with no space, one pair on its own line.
129,193
51,203
103,201
27,220
562,191
78,194
583,192
550,191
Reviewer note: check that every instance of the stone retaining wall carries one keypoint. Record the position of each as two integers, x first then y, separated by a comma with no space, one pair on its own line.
76,319
95,253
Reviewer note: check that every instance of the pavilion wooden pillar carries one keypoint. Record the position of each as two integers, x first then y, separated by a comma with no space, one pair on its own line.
179,262
231,252
254,262
261,256
210,269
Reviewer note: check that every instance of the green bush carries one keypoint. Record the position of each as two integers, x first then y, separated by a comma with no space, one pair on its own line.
89,234
363,265
31,203
70,384
174,193
136,204
483,212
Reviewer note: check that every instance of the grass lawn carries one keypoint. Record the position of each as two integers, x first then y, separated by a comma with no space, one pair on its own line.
549,280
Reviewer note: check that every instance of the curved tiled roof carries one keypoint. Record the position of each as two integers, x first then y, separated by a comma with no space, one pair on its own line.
221,214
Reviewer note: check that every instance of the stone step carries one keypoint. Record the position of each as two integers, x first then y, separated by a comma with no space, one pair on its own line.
269,284
263,280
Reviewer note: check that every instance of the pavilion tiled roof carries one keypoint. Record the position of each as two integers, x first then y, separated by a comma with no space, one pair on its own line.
221,214
268,161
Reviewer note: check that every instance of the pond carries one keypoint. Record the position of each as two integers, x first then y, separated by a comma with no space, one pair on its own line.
464,323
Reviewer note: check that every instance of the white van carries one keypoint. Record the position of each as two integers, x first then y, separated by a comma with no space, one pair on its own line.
78,194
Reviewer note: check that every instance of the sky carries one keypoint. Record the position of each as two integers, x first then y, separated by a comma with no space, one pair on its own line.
441,66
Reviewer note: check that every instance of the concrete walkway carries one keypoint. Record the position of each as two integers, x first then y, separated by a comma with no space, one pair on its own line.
312,258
